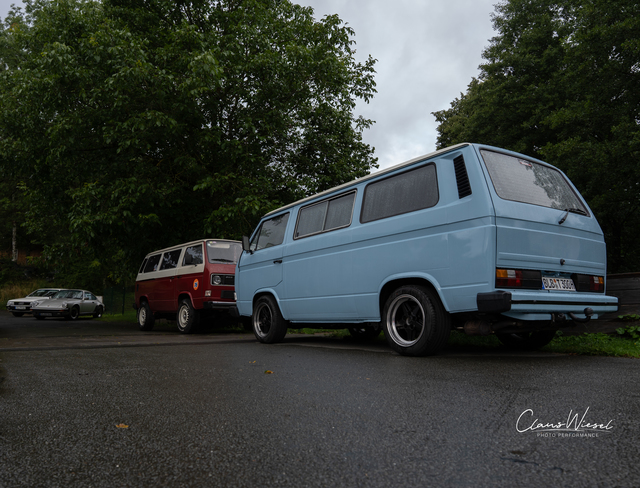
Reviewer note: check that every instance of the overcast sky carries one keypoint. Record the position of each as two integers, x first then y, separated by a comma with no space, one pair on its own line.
427,52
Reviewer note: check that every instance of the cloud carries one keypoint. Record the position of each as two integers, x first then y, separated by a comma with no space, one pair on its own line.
427,53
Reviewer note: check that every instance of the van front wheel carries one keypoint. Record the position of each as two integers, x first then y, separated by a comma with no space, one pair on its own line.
187,317
268,324
415,322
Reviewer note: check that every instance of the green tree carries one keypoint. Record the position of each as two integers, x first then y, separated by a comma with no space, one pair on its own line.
144,123
560,83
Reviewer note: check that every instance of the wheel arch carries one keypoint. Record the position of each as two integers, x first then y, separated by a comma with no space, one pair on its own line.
181,296
272,294
396,282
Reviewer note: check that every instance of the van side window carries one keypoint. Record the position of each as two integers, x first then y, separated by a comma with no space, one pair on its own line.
407,192
152,263
271,233
144,262
170,259
325,216
193,255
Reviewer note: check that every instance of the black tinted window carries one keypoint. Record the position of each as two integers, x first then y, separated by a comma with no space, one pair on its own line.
325,216
170,259
399,194
271,233
152,263
195,253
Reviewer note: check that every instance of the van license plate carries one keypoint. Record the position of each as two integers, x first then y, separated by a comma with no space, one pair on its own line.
558,284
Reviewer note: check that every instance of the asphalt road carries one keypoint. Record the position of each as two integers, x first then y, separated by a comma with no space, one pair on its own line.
95,404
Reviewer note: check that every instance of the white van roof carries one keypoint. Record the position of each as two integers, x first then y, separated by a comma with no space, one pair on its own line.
190,244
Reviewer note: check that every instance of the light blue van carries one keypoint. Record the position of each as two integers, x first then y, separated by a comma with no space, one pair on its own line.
471,237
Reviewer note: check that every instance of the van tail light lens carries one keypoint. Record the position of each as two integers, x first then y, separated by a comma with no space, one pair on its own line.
519,278
597,284
594,284
508,278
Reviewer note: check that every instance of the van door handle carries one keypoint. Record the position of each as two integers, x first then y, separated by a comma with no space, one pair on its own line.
277,261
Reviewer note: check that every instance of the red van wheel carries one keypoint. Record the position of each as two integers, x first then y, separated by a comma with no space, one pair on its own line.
145,317
187,317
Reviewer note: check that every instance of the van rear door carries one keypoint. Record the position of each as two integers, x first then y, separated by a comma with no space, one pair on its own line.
542,222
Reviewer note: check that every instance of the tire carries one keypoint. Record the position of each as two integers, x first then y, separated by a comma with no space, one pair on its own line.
187,317
74,313
17,314
364,332
415,322
145,317
98,312
527,341
267,322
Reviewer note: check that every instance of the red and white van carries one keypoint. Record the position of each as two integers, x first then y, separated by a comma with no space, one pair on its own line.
188,281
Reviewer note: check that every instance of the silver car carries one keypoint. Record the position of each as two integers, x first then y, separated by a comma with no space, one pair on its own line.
69,304
20,306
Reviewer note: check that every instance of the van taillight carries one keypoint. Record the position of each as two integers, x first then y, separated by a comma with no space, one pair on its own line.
597,284
588,283
518,278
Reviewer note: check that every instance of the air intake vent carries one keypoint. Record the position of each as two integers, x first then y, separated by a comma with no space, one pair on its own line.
464,187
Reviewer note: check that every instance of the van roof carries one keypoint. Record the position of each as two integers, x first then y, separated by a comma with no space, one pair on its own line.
189,244
370,176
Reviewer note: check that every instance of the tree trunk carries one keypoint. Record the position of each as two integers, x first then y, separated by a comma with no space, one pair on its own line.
14,243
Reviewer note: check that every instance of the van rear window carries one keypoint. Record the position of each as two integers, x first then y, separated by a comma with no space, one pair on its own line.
407,192
525,181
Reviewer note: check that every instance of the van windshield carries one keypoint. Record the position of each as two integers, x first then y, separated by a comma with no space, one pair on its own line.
223,252
525,181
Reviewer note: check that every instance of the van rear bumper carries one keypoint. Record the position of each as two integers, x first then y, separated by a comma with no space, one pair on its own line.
501,301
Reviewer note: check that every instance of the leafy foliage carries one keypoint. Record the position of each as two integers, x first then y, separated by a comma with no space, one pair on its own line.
134,125
560,83
632,331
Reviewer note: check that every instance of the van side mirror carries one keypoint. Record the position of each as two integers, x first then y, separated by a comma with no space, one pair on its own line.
188,259
246,246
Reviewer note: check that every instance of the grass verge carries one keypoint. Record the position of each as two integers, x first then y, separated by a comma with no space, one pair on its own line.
585,344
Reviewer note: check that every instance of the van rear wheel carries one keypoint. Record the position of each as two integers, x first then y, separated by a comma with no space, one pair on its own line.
527,341
146,319
268,324
187,317
415,322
